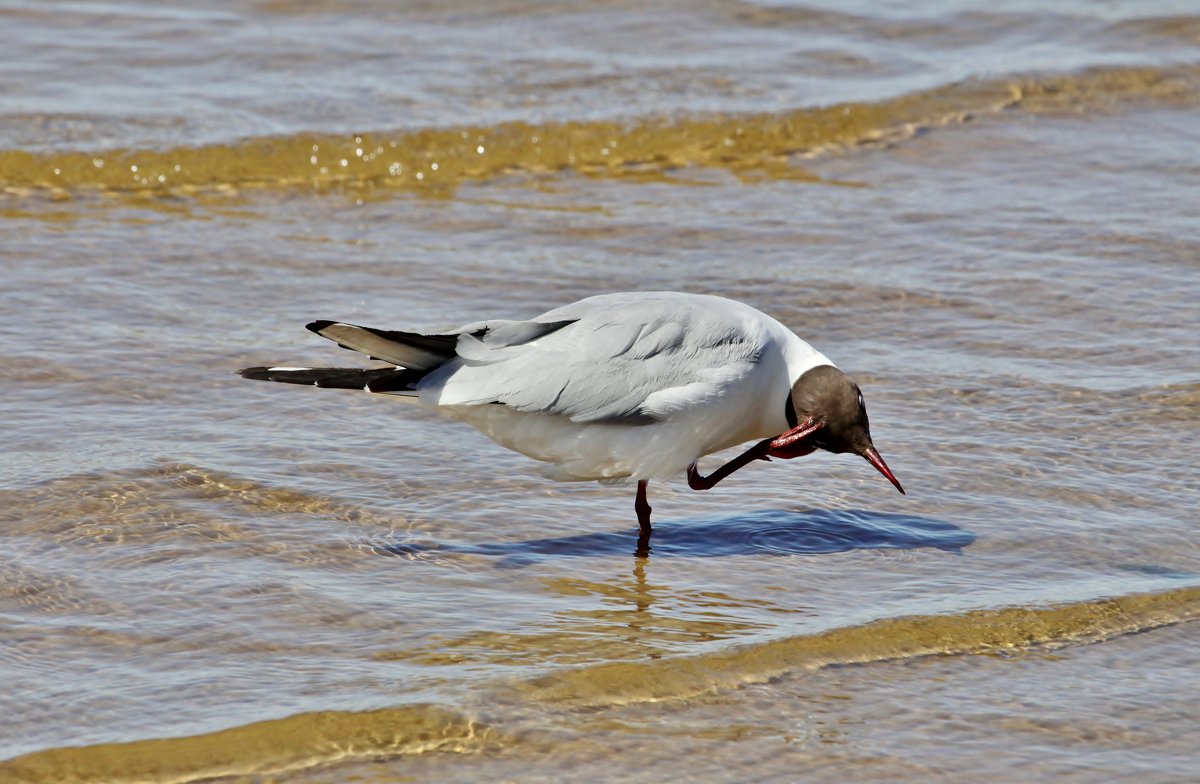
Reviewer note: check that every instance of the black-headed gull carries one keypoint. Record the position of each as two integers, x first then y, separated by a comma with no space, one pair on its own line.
629,386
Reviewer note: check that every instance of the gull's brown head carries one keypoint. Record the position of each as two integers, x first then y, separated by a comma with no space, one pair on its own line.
827,412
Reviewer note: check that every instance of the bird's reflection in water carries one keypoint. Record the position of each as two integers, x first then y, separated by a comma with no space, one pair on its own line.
629,613
606,615
644,597
769,532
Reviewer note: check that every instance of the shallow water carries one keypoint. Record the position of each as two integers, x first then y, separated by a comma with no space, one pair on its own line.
987,218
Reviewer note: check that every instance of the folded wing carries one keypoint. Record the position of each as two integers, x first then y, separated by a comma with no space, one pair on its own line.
605,361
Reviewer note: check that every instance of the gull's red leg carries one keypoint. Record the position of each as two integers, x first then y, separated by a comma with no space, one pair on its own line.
643,512
756,452
793,443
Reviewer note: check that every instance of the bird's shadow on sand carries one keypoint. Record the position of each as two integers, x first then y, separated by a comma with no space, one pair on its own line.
769,532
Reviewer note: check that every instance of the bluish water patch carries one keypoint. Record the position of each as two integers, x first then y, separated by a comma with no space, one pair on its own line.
768,532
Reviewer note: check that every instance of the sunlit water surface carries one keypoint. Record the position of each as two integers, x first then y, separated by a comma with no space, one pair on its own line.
988,218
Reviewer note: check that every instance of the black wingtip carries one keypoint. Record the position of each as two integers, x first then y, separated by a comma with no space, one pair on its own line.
317,326
398,380
255,373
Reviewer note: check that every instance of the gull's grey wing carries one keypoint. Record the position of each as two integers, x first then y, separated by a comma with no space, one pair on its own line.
418,351
609,359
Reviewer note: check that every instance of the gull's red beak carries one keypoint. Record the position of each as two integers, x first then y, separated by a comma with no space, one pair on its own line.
874,459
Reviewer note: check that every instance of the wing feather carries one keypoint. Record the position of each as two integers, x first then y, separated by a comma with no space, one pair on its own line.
611,359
